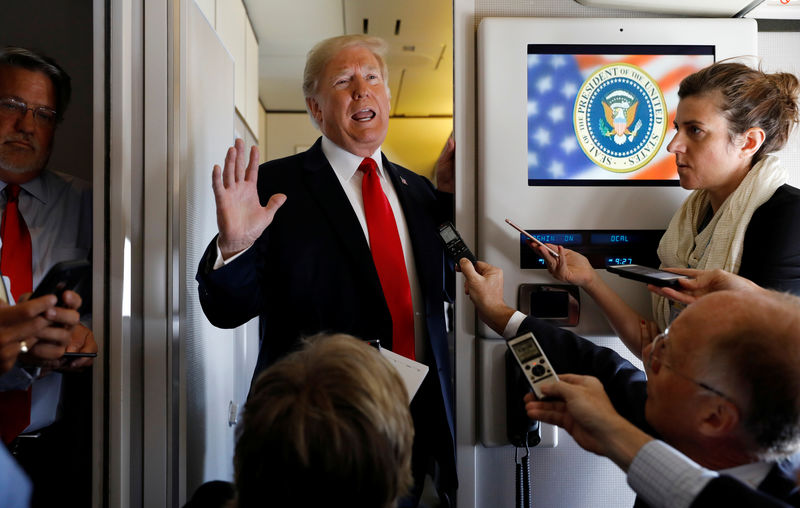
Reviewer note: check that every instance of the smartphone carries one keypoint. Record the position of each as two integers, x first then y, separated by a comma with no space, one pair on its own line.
536,240
454,245
62,276
532,361
646,274
79,355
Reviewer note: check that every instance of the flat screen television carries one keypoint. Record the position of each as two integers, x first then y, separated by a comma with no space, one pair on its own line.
602,114
590,101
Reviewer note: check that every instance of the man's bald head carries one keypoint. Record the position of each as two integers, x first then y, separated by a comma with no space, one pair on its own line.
748,346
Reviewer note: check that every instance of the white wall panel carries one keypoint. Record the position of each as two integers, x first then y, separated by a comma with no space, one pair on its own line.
251,79
210,353
209,9
231,25
780,52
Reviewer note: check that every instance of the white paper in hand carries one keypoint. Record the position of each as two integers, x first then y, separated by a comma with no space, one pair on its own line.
410,371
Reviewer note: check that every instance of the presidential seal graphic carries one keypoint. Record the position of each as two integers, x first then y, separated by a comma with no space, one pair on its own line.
620,117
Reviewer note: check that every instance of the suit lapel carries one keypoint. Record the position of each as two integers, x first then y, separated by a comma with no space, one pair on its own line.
418,224
326,189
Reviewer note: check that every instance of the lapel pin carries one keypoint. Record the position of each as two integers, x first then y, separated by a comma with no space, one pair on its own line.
403,180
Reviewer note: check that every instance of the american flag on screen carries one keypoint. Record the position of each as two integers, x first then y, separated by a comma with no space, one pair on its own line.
554,80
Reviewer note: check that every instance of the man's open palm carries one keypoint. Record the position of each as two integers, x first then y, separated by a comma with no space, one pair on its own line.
240,217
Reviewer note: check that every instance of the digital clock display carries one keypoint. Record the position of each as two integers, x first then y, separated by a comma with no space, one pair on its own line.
601,247
620,261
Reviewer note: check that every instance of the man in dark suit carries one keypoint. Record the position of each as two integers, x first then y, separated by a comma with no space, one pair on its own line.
721,388
339,239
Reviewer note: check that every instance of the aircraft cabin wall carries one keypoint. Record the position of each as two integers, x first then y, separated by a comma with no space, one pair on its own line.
565,475
152,456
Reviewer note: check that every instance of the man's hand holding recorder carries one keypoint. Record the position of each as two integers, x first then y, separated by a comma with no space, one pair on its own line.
578,403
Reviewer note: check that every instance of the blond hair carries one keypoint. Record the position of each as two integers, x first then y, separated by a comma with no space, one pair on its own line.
325,50
326,425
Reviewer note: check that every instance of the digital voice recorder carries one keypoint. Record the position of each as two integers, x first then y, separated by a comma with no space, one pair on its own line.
533,362
453,243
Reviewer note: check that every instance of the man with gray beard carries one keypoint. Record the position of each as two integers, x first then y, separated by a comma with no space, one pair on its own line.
46,218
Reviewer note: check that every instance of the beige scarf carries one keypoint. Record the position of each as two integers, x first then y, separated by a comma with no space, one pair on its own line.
720,243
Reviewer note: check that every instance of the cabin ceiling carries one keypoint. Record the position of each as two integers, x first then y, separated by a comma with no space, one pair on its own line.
419,33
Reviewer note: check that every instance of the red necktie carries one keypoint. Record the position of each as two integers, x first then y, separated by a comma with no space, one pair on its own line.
15,256
15,263
387,254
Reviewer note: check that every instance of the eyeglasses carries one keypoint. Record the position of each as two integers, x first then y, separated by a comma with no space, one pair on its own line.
15,108
657,348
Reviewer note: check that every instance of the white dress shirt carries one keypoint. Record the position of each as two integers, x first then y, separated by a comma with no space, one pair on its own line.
513,325
345,166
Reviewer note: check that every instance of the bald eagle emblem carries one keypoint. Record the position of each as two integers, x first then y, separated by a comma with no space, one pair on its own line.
620,117
620,112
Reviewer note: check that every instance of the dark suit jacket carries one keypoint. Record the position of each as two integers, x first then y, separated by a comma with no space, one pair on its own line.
771,252
626,386
312,271
778,490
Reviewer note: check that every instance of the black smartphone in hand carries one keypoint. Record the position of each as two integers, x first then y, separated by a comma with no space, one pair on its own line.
72,275
77,354
647,275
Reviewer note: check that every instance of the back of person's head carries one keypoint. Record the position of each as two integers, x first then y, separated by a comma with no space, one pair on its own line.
328,425
749,98
213,494
755,360
11,56
325,50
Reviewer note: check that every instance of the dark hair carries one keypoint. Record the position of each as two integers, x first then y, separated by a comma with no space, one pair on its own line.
12,56
750,98
328,425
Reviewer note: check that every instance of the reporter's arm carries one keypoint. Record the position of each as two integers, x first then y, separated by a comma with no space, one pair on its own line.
665,478
574,268
633,329
484,285
661,475
580,405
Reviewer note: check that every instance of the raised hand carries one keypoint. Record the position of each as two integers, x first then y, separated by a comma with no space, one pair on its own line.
240,217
